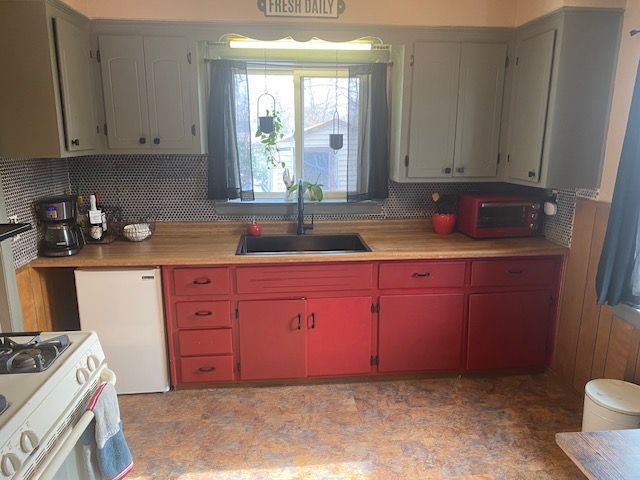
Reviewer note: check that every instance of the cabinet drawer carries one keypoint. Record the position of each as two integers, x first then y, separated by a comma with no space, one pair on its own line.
510,273
304,278
206,369
201,281
203,314
205,342
422,274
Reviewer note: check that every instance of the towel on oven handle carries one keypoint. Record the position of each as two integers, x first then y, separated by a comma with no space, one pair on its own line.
108,456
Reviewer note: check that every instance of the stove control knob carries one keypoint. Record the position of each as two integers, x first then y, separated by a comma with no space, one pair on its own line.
9,464
82,375
92,363
28,441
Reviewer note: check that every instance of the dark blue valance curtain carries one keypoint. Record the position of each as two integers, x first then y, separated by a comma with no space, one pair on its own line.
229,132
618,278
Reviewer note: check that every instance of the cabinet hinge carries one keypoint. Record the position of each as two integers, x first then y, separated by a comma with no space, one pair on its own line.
98,58
412,60
189,58
193,129
105,129
406,160
506,62
374,360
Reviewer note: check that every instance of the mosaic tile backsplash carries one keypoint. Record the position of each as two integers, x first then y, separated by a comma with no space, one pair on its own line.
173,188
24,182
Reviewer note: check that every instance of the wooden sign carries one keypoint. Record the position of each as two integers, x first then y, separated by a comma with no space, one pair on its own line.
302,8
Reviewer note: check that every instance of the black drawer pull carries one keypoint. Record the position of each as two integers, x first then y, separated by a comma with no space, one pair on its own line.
202,281
313,320
142,140
299,322
156,141
204,313
516,272
75,142
207,369
421,275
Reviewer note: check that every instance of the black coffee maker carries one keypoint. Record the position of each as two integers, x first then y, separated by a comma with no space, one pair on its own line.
62,234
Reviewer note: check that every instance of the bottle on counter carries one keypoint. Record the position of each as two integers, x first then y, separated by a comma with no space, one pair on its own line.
96,231
100,207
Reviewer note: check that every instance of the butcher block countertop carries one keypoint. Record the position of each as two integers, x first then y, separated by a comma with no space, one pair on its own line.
216,243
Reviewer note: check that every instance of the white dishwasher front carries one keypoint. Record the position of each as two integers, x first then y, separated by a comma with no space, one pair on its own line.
125,308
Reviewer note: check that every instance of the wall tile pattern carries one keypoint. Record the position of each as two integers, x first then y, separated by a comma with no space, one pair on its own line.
173,188
24,183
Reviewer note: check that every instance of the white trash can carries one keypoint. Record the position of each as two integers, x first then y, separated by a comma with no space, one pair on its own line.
610,405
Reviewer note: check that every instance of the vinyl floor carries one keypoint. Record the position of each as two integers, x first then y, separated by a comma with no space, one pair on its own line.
444,428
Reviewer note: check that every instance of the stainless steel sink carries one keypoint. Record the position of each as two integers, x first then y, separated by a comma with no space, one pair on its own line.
301,244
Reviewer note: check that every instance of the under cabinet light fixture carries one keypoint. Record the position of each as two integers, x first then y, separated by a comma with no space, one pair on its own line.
290,44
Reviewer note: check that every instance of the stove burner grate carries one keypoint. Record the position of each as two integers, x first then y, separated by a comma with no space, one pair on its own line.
34,355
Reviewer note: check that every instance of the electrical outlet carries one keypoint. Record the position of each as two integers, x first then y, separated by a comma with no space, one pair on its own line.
14,219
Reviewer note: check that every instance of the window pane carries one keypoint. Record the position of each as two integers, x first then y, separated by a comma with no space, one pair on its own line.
265,178
320,162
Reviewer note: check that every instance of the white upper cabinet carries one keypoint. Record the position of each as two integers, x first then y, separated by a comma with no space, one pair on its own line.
533,63
147,83
482,68
47,93
124,86
560,104
76,86
455,112
434,101
167,68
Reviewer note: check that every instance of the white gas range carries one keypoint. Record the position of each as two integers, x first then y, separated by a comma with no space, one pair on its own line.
45,414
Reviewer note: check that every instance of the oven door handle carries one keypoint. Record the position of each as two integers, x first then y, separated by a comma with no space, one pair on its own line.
500,204
66,445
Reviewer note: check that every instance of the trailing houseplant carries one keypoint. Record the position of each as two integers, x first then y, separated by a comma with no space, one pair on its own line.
444,220
270,140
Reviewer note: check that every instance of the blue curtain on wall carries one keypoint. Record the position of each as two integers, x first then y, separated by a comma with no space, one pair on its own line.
618,278
229,132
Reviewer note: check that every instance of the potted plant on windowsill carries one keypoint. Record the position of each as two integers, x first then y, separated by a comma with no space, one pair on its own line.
444,220
312,191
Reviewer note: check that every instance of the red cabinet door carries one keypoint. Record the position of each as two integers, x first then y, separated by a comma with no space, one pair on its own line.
420,332
272,339
339,336
508,330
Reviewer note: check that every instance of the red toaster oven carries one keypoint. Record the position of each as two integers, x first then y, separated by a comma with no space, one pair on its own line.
482,215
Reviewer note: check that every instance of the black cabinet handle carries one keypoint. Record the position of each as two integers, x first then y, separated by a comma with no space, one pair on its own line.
532,173
460,169
516,272
207,369
142,140
313,320
204,313
299,322
75,141
421,275
201,281
447,170
156,141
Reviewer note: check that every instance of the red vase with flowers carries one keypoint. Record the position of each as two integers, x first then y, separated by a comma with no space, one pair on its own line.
444,220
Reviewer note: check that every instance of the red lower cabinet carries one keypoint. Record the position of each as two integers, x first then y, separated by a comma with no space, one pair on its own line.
420,332
508,330
339,336
272,339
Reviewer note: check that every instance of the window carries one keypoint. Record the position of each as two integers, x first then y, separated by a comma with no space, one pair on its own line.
306,101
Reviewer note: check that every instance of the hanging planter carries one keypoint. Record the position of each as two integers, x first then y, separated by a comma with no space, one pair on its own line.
266,122
336,139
